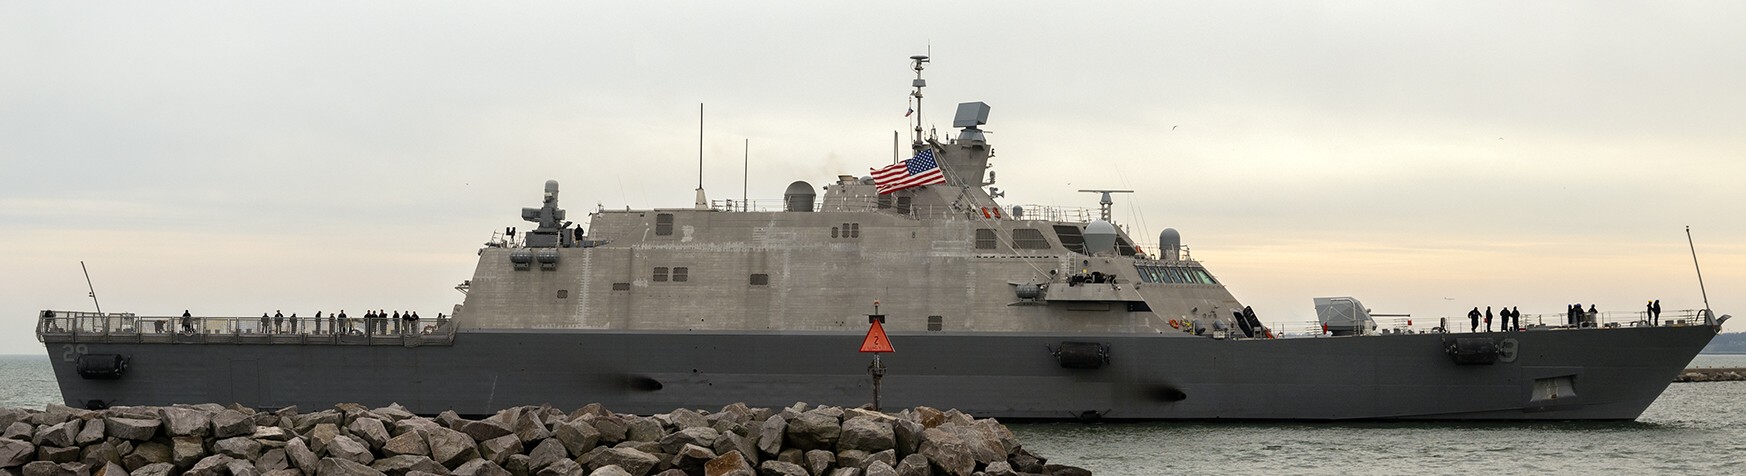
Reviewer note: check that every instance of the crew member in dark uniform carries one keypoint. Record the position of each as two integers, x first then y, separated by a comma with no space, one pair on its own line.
1488,318
1655,312
1473,316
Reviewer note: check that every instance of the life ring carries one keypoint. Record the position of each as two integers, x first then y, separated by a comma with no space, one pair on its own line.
1174,324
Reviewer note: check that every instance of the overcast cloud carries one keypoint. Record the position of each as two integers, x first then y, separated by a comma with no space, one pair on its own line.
238,158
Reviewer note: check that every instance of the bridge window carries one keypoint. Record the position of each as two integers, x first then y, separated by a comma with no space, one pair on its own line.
663,224
563,293
760,279
936,323
620,286
660,274
681,274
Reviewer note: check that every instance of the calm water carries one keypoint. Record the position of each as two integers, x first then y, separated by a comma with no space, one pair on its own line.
1694,428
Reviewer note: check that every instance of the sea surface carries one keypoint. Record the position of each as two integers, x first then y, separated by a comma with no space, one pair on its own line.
1694,428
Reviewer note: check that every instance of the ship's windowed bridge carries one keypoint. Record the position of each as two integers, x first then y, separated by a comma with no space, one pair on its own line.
1174,275
73,327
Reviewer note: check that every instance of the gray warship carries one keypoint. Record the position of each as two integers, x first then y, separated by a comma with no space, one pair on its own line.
1026,312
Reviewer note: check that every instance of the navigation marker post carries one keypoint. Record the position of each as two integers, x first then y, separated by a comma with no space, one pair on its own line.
876,342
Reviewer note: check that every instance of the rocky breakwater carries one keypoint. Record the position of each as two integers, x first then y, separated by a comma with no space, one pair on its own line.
351,439
1711,374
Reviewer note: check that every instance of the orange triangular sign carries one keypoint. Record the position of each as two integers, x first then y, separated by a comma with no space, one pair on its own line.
876,341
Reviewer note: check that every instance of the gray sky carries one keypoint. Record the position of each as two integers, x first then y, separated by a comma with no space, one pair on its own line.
237,158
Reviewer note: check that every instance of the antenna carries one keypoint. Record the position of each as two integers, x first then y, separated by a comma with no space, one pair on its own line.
1708,315
702,202
918,62
88,285
746,177
1103,204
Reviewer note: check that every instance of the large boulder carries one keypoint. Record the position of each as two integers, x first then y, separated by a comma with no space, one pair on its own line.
186,422
636,462
770,435
409,443
452,448
99,454
370,430
780,468
697,435
270,433
241,467
549,451
59,434
908,435
345,467
687,418
215,465
154,469
228,423
731,463
813,431
999,468
136,429
747,446
479,467
187,450
19,430
301,456
110,469
643,429
348,448
562,467
400,465
530,428
240,447
611,427
57,454
394,412
610,470
498,449
90,433
321,435
914,465
486,429
273,460
147,453
867,434
15,453
879,468
817,461
577,437
947,452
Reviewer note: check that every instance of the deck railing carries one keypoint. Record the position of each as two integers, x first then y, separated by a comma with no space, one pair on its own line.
1539,321
1030,212
78,326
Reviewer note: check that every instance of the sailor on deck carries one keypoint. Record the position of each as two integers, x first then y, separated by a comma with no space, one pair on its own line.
1473,316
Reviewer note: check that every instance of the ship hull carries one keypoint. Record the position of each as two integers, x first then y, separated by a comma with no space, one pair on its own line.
1609,374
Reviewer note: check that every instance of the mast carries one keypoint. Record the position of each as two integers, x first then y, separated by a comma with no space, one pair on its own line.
1708,315
918,62
702,202
93,289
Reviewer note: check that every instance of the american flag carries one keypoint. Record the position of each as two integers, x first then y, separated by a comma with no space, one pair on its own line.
915,172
